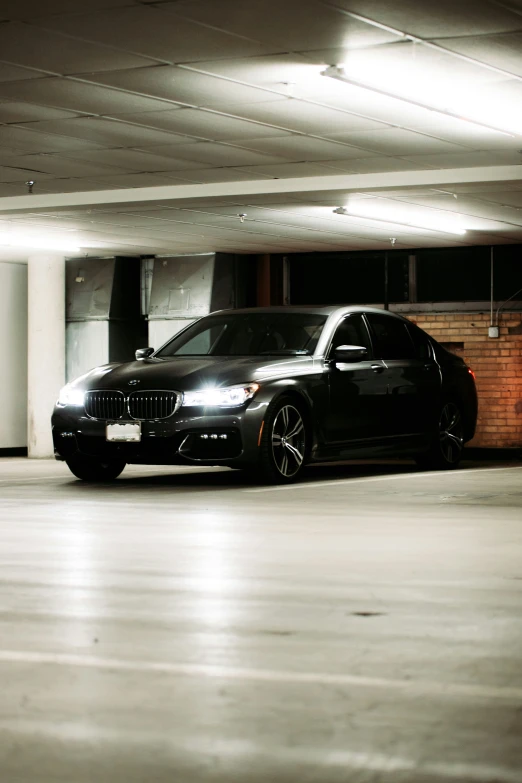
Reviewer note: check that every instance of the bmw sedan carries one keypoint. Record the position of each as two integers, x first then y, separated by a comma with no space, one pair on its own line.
270,390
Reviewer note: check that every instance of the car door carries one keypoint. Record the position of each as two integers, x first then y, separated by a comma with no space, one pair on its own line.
356,389
430,382
413,378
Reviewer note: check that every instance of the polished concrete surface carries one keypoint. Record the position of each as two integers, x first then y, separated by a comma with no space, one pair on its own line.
185,626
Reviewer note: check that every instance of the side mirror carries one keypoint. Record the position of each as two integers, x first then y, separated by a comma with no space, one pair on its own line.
144,353
350,353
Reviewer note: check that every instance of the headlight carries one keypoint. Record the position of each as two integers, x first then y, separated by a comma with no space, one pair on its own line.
70,396
227,397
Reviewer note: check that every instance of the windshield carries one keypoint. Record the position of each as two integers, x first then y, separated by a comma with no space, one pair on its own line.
248,334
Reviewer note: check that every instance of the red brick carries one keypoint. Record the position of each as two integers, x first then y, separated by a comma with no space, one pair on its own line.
498,367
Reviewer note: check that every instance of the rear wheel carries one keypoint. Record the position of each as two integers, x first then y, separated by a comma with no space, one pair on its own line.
446,449
91,469
283,443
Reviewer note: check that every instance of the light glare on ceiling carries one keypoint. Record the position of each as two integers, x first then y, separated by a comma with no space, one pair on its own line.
383,214
37,242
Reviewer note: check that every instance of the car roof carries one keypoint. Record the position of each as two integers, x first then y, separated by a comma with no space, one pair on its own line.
326,311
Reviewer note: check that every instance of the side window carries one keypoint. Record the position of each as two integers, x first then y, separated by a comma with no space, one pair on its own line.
352,331
421,342
391,337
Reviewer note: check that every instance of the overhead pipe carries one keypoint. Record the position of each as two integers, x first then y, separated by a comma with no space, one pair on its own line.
492,281
494,329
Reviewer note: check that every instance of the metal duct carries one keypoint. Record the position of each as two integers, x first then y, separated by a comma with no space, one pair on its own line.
89,288
104,321
185,288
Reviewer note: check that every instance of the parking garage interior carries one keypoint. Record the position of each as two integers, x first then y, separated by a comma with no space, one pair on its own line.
161,160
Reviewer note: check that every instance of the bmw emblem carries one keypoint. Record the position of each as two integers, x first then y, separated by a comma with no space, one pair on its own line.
133,383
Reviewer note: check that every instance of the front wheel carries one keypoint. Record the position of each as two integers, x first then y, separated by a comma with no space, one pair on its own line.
284,443
447,446
91,469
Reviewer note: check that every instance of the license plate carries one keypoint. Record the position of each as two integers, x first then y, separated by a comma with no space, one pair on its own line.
124,432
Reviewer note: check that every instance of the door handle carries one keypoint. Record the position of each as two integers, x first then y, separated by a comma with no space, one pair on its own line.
377,367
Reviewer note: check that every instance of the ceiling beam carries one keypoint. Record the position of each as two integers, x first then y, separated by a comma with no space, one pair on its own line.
301,185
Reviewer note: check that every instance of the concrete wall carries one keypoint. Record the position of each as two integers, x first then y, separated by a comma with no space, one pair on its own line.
497,364
13,339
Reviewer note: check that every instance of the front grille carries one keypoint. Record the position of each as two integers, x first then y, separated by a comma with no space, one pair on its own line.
106,405
145,405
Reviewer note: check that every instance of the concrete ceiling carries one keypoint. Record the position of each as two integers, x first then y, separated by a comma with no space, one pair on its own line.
149,127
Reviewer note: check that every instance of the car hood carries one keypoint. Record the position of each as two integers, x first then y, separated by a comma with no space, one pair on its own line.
189,373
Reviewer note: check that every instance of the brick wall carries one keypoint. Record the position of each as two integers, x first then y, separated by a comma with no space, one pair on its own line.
497,364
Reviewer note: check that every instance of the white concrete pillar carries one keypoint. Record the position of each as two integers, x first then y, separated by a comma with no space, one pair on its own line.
46,348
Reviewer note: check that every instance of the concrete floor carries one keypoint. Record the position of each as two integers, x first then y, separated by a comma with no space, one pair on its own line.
184,626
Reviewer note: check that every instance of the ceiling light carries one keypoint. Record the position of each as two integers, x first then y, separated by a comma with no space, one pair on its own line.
400,219
38,242
339,73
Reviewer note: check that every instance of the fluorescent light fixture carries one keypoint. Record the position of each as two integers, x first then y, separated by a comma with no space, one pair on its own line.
338,72
383,216
38,243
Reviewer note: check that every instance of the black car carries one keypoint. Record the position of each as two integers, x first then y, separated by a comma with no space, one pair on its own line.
269,390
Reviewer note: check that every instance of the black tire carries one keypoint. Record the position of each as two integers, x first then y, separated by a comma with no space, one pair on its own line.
447,445
284,442
91,469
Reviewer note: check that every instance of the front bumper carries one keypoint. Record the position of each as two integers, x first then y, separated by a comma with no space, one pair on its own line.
173,441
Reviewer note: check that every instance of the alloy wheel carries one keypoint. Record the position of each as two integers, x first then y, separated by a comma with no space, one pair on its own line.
288,441
451,433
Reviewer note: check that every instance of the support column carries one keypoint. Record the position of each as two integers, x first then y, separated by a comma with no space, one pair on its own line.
412,278
46,348
263,281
